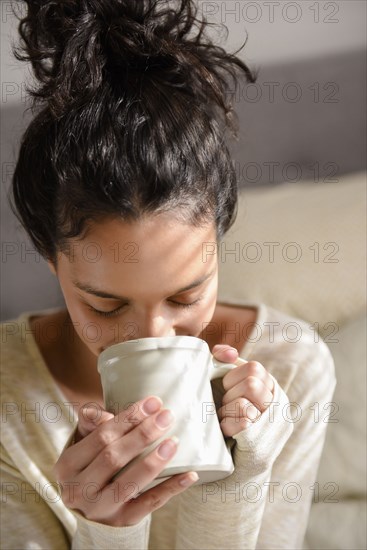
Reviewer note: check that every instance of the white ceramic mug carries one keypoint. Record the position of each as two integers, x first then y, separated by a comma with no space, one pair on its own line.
178,369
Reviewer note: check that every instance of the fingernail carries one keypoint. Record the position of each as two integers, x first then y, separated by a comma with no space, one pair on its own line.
224,347
168,447
164,419
152,405
189,479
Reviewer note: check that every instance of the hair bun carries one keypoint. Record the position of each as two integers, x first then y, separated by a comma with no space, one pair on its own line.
77,46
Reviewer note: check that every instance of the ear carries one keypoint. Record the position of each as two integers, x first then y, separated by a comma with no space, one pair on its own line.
51,267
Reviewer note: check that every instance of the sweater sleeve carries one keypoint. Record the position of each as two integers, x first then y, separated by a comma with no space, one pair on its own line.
293,481
265,503
28,518
95,536
228,513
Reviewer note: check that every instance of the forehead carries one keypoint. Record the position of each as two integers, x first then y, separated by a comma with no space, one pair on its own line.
140,251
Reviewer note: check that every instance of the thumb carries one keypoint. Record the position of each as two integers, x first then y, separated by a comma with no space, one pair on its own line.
225,353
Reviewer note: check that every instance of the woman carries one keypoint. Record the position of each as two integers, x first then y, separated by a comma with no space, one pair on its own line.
123,178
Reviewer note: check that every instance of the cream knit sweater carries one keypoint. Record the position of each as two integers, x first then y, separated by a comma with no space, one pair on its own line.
264,504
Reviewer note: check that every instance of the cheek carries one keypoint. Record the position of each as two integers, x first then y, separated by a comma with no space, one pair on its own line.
93,332
203,315
200,319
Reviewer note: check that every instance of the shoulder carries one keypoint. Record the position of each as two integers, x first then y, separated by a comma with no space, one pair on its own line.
15,338
292,350
19,341
36,419
22,367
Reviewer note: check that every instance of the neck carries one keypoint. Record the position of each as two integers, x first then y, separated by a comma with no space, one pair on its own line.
72,365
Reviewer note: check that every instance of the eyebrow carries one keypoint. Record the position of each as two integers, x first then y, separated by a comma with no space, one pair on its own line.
85,287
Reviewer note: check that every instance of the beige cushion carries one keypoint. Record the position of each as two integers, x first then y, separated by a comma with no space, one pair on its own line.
338,514
340,526
317,271
344,458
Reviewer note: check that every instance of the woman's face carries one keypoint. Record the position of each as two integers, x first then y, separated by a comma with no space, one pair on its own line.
153,277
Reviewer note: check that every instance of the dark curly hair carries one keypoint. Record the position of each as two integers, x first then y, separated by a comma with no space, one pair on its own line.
130,118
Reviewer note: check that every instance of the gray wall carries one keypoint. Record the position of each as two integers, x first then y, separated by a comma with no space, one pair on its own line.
304,119
278,31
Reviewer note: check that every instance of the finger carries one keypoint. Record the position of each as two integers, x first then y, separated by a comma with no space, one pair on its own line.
158,496
253,389
225,353
79,456
141,472
238,409
251,368
122,451
89,418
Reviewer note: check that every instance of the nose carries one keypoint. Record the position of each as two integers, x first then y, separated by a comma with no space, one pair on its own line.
154,325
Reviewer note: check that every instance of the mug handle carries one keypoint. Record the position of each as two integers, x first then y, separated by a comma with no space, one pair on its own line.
220,369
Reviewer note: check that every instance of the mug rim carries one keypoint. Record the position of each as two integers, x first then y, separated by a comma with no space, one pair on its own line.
126,348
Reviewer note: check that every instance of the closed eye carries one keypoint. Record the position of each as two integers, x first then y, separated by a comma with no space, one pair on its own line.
180,304
118,310
107,313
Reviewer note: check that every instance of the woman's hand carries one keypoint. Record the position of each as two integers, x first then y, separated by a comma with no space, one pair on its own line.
248,392
105,444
